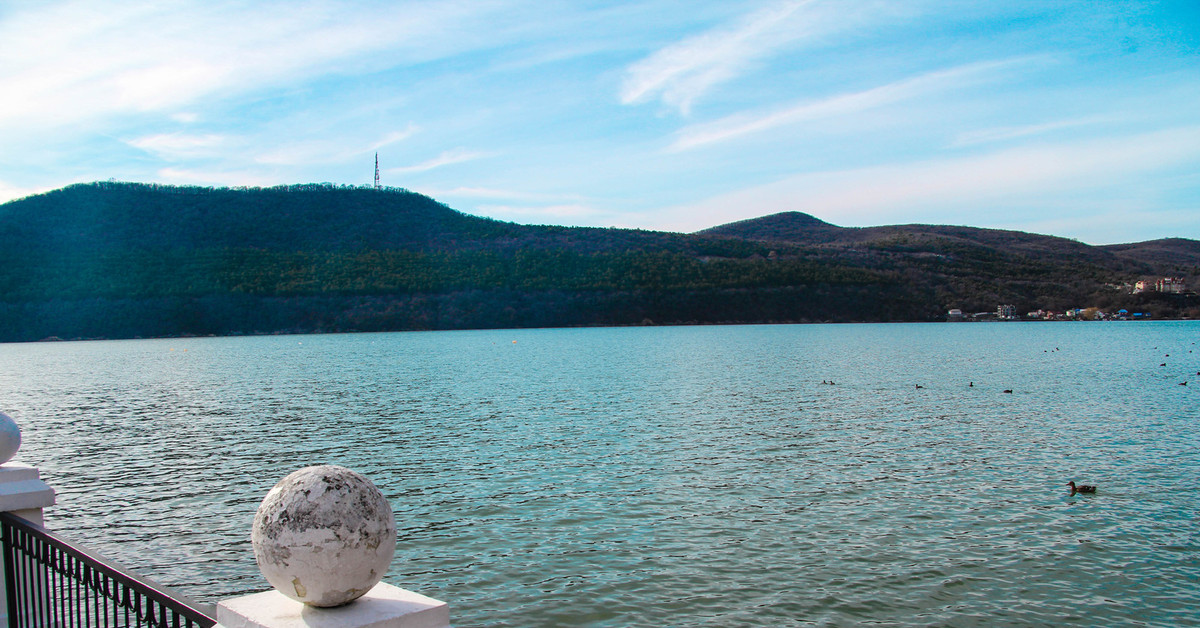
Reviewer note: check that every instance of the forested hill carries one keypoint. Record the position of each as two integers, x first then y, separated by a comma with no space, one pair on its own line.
134,260
108,217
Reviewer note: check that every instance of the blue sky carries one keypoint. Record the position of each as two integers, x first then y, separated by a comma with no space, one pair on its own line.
1079,119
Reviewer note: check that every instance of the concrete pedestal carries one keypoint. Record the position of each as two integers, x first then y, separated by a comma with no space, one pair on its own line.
23,493
384,606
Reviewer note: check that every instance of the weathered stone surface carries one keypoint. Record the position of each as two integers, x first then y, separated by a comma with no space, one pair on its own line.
385,606
324,535
10,438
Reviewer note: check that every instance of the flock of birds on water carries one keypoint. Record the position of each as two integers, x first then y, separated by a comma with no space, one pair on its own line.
1075,488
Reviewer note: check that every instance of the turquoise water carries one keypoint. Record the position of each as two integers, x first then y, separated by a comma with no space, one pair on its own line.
683,476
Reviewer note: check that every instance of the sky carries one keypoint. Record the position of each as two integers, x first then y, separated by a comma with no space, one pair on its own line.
1072,118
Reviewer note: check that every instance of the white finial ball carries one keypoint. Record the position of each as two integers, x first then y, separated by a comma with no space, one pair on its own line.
324,535
10,438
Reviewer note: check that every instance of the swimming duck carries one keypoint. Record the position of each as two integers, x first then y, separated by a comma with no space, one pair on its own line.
1082,488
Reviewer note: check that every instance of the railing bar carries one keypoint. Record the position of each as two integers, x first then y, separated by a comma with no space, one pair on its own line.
56,589
39,611
104,597
76,598
49,583
64,591
47,541
76,578
61,585
23,572
118,599
31,590
34,597
10,597
45,581
49,573
67,590
21,578
89,608
21,558
86,585
18,558
103,584
47,577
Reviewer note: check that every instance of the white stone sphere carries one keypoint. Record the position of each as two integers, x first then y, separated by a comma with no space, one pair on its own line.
324,535
10,438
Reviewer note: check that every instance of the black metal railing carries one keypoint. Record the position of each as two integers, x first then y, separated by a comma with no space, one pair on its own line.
50,582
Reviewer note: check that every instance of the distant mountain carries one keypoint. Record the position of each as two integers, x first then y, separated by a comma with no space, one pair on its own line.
134,260
795,227
1170,256
800,228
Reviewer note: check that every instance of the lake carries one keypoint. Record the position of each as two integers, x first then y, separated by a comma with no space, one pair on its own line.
653,476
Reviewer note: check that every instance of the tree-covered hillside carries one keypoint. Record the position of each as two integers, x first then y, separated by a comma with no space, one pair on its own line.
129,260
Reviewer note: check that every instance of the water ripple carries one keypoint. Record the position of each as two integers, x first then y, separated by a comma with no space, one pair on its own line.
666,476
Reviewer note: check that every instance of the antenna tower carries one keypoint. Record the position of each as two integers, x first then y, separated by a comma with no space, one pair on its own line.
377,171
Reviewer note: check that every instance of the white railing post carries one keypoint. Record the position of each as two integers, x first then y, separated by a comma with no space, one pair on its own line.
22,491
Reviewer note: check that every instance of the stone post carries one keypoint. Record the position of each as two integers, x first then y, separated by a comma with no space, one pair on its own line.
22,491
323,537
384,606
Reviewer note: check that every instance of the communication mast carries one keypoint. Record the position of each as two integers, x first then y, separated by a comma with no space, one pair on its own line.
377,171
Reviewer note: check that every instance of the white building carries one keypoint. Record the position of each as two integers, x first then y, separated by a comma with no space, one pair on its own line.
1173,285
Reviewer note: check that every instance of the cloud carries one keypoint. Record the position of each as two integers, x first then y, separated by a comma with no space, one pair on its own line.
218,178
738,125
178,145
11,192
495,193
1037,179
185,117
450,157
574,213
684,71
1000,134
329,151
67,62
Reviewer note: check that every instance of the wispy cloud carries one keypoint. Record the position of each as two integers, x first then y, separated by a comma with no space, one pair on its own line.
87,64
572,212
1004,133
1037,178
497,193
684,71
738,125
329,151
12,192
450,157
178,145
221,178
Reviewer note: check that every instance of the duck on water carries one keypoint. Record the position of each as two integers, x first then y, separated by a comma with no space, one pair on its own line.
1082,488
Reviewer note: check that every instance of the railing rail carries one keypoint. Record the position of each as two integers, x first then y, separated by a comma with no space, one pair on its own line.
50,582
